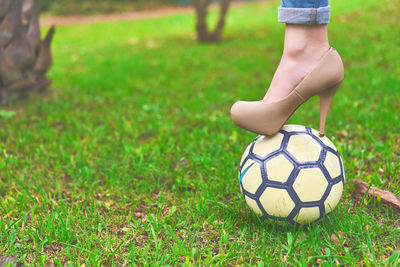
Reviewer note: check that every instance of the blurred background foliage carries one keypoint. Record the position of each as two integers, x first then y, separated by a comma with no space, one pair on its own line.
70,7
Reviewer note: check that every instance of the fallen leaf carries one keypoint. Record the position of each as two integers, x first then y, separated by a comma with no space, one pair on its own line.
334,239
138,214
386,196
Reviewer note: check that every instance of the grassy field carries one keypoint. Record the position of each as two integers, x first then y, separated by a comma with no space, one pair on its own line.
131,157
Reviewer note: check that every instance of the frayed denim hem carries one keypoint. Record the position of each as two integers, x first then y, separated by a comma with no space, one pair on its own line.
304,15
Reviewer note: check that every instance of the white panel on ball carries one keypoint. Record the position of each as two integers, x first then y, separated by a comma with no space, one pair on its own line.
266,145
310,184
334,197
307,215
324,139
279,169
304,148
276,202
253,205
331,162
251,176
294,128
246,152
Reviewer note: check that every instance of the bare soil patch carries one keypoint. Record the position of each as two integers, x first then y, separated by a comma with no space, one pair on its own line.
134,15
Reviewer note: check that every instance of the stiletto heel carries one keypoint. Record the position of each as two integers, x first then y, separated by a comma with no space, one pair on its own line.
325,100
268,118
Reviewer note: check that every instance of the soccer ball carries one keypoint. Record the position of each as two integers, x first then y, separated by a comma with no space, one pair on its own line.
294,175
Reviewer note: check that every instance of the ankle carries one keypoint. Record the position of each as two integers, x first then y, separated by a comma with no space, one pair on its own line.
305,41
299,51
295,50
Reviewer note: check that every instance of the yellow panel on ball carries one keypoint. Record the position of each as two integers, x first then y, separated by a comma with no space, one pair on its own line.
252,178
304,148
307,215
310,184
277,202
333,197
279,169
266,145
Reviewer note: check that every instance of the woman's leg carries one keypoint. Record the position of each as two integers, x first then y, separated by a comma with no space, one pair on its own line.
306,41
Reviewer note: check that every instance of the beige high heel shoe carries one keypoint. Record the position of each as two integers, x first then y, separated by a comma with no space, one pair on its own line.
268,118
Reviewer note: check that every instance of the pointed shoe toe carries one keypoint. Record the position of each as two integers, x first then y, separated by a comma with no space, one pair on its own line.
239,113
235,111
246,114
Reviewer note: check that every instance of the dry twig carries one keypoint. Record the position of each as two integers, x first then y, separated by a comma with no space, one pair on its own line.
386,196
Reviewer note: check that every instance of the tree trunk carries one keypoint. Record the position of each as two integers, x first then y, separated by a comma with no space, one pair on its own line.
24,57
203,33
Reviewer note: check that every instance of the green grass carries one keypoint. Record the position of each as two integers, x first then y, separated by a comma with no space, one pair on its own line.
131,157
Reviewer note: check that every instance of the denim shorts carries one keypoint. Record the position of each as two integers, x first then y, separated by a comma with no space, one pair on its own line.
304,11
